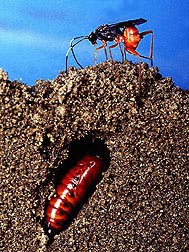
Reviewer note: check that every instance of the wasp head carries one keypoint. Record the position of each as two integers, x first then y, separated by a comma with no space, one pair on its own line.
93,38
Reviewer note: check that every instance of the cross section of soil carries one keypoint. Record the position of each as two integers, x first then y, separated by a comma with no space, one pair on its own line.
140,203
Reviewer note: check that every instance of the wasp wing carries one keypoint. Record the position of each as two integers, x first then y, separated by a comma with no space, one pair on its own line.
108,32
131,22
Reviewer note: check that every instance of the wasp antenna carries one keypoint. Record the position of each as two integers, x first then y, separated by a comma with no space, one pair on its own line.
80,37
76,58
71,49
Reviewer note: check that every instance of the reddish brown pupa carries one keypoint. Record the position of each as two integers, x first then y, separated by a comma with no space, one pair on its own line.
71,191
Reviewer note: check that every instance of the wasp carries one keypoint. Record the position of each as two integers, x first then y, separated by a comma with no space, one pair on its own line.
71,191
123,32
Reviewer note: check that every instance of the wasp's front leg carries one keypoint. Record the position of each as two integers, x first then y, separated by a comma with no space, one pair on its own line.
98,48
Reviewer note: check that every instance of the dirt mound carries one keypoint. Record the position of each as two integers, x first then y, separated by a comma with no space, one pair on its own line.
141,203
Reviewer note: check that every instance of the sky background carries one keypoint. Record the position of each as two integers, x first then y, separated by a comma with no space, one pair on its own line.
35,35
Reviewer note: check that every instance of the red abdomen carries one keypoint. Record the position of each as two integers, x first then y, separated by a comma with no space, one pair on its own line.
72,189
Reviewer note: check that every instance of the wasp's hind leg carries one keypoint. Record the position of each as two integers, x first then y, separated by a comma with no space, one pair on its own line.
142,34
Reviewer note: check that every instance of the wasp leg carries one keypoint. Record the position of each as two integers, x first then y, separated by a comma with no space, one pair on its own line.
132,51
125,55
98,48
142,34
114,45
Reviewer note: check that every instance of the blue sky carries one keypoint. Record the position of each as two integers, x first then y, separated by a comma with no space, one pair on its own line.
35,35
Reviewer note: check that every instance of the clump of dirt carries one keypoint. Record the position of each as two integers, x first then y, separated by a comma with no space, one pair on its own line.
141,203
